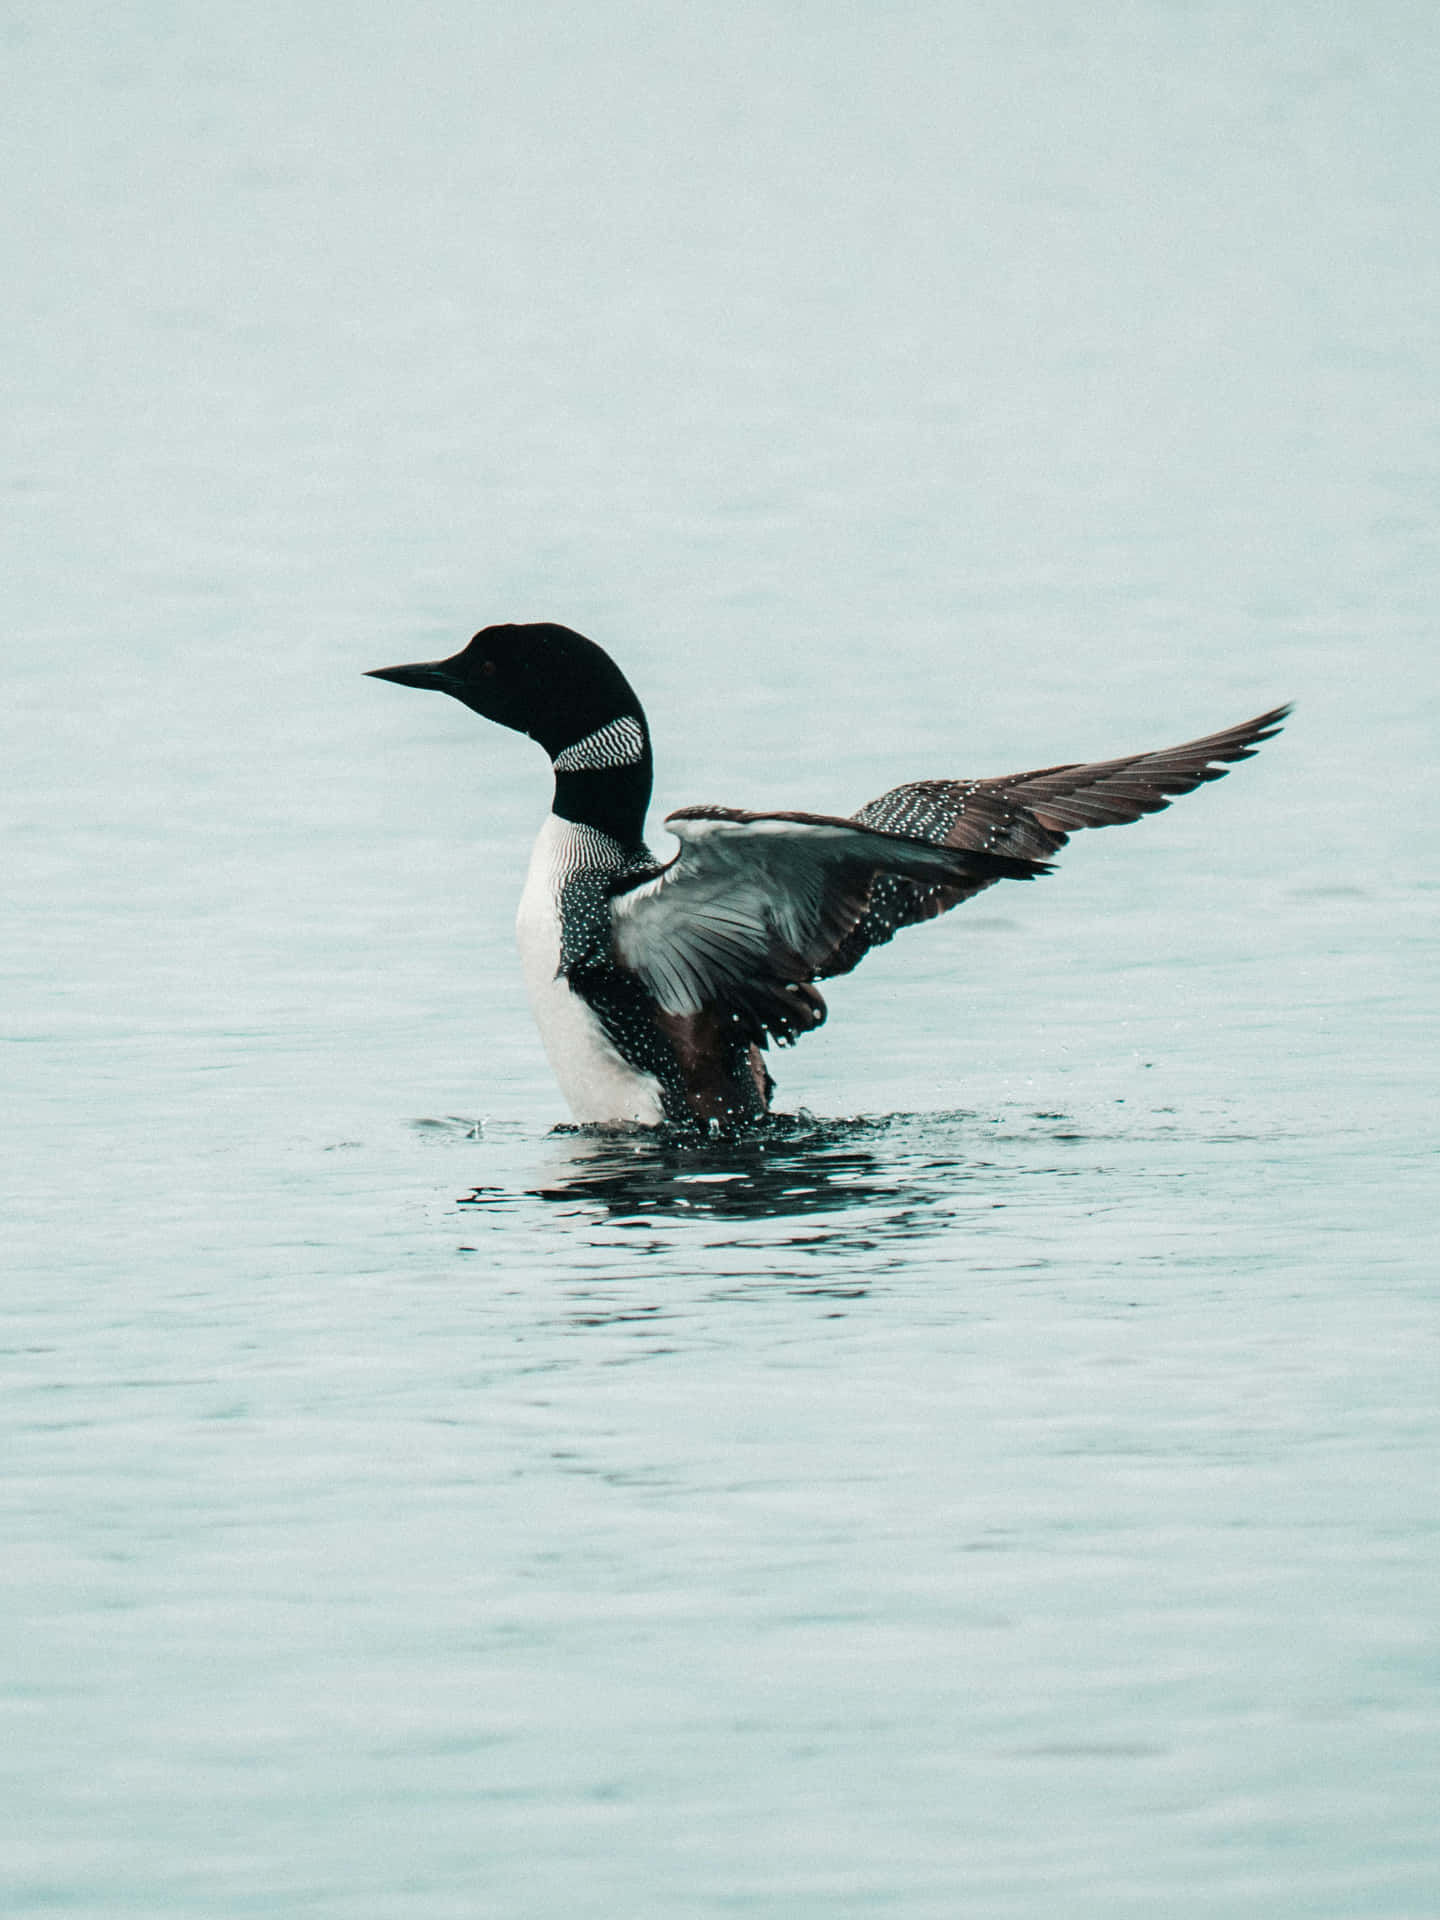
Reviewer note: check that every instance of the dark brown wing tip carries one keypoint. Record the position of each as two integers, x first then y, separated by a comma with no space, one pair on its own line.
1226,744
1264,726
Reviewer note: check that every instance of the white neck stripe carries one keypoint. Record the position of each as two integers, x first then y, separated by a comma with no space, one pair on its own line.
619,743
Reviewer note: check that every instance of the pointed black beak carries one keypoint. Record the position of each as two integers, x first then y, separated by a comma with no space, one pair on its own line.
426,673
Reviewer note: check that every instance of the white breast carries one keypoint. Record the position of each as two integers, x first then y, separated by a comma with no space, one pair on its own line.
595,1080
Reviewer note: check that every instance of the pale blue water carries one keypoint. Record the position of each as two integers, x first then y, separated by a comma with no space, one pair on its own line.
1011,1488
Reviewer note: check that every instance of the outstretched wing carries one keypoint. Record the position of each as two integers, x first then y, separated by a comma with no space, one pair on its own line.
1029,816
755,904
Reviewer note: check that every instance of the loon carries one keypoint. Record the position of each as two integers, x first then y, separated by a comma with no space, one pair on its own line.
656,987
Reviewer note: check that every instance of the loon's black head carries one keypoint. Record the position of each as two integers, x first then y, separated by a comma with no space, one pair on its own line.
542,680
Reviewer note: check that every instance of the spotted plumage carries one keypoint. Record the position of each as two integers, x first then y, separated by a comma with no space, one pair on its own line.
657,988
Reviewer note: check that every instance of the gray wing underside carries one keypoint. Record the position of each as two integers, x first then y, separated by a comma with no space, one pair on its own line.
754,905
1027,816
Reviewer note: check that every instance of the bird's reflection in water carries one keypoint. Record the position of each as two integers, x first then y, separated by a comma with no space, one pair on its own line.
856,1180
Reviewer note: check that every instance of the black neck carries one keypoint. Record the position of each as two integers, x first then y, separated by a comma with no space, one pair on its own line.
612,799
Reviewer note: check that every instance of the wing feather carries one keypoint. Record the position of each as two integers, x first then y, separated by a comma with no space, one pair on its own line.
1031,816
754,905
